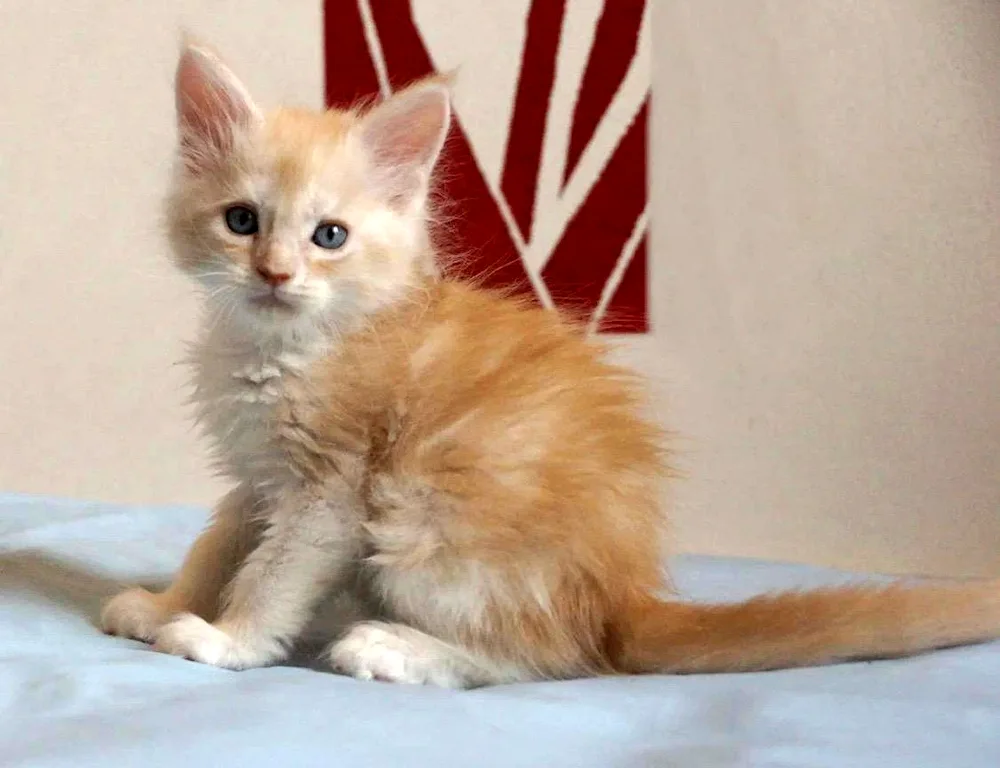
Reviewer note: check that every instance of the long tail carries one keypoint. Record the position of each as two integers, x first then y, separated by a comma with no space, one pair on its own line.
805,628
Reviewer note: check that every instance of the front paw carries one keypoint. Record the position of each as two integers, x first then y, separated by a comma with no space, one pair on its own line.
194,638
135,613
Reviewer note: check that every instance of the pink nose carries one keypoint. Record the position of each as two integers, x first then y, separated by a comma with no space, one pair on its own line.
272,278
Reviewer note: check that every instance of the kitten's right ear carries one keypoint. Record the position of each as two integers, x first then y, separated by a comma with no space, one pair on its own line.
212,105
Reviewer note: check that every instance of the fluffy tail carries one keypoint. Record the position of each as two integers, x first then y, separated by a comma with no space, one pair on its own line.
805,628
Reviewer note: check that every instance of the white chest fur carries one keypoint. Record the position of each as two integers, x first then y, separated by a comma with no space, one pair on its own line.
239,387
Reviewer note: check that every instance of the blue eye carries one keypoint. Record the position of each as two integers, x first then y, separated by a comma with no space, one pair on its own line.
241,219
330,235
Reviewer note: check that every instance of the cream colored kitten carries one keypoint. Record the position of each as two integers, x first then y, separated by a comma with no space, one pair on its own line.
469,466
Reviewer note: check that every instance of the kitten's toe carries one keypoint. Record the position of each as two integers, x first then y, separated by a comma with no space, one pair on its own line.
135,613
376,651
194,638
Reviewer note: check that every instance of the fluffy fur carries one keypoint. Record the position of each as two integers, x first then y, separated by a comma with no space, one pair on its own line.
468,467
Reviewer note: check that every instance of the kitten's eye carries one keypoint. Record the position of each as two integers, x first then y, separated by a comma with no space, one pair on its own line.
330,235
241,219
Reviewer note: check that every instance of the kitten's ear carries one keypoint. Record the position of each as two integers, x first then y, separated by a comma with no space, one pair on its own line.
212,105
403,137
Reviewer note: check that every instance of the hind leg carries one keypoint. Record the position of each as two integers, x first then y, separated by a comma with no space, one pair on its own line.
375,650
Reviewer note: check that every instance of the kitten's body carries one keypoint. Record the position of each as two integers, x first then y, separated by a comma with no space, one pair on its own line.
489,492
470,467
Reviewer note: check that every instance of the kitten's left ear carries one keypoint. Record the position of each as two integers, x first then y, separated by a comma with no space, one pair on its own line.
403,137
212,105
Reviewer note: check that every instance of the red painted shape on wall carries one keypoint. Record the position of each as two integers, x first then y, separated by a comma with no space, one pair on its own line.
531,108
406,57
628,308
473,226
596,235
348,69
615,43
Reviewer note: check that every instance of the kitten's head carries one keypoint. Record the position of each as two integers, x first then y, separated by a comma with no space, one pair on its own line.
295,217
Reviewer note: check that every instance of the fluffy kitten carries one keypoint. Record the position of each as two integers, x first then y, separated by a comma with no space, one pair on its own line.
471,467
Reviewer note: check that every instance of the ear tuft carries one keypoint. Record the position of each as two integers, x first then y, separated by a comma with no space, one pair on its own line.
403,137
211,105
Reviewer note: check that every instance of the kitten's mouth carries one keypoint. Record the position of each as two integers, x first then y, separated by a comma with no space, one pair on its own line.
273,301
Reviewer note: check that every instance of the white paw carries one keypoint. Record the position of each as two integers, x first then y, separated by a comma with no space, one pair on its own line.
376,651
194,638
135,613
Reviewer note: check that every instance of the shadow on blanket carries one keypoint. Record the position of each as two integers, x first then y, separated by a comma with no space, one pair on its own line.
64,582
77,588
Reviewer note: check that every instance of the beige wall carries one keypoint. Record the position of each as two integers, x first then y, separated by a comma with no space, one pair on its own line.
826,270
92,316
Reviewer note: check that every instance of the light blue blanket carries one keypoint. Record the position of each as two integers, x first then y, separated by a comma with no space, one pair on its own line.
72,697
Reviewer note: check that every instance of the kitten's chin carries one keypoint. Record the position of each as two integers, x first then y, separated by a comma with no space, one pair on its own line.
277,313
275,304
278,306
269,316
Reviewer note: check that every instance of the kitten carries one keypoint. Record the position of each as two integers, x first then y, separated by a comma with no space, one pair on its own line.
470,465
